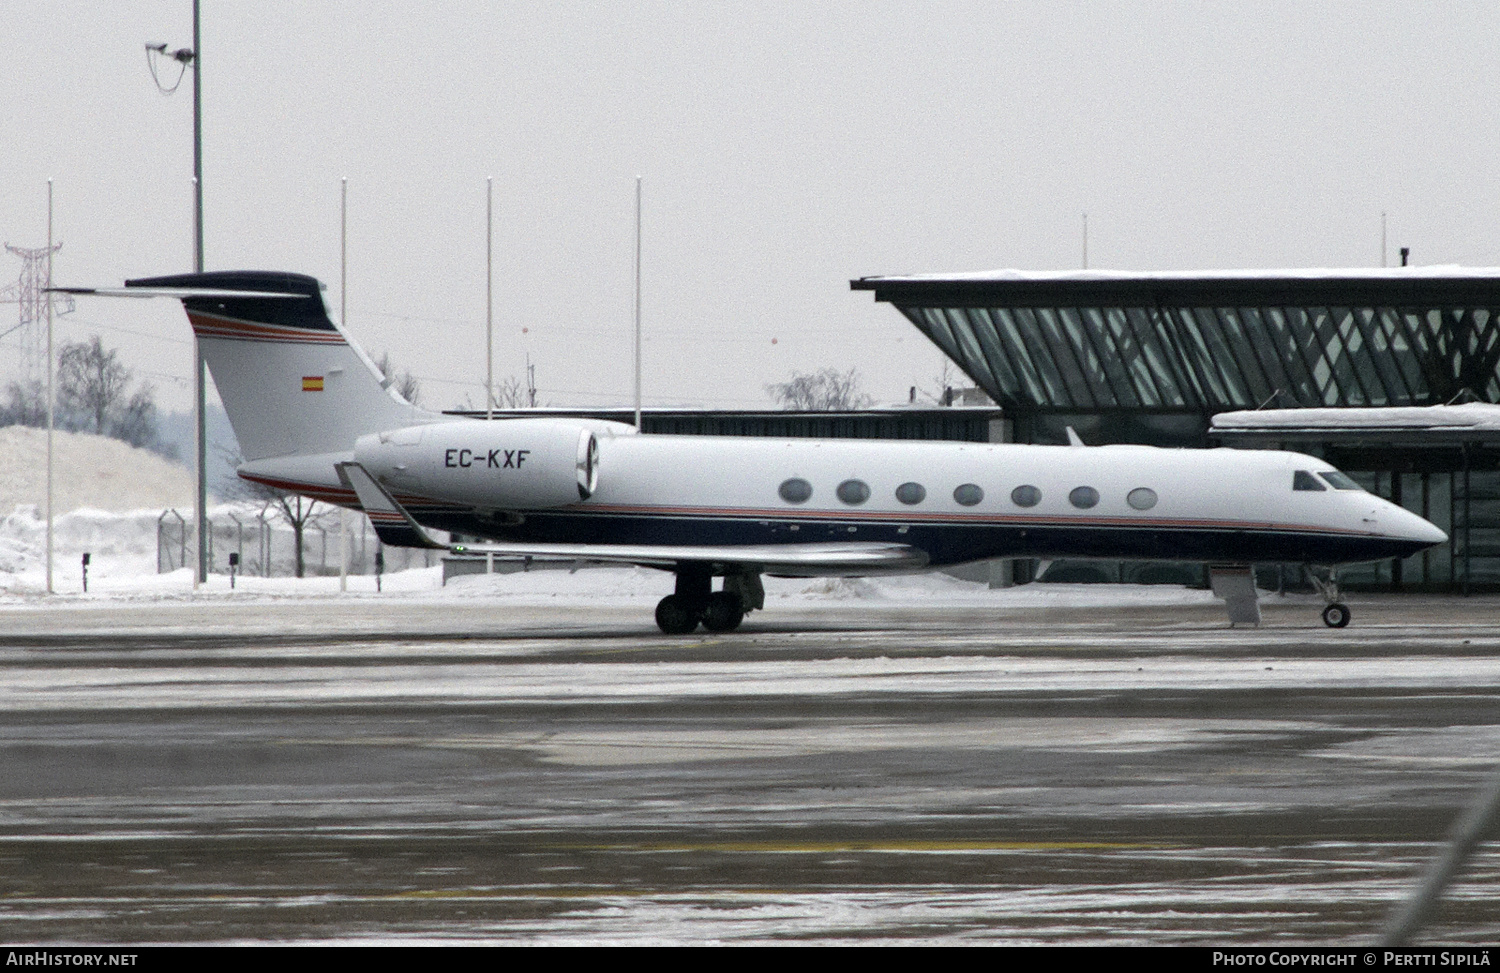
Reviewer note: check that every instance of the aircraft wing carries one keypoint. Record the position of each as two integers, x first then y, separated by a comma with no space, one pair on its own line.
834,558
396,527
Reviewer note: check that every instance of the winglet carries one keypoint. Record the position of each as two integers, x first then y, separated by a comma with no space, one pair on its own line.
393,525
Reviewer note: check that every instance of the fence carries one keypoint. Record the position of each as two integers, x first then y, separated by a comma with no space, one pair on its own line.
271,544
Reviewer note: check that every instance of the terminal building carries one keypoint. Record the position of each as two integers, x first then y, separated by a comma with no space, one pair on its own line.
1152,357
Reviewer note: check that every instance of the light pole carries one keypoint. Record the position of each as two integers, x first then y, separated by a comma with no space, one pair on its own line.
343,322
637,303
489,297
51,415
192,58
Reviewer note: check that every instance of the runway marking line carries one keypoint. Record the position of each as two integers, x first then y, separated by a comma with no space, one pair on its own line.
879,846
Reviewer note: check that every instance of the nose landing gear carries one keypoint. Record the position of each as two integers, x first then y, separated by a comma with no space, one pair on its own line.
1336,614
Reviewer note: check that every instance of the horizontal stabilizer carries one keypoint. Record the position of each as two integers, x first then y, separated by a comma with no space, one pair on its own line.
178,292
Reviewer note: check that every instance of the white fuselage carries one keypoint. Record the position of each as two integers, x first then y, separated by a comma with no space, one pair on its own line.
968,500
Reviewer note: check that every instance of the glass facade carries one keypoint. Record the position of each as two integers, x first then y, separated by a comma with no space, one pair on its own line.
1216,359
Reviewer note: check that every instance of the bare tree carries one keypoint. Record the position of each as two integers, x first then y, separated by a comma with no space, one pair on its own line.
25,405
829,390
509,393
298,511
91,382
136,421
93,394
407,385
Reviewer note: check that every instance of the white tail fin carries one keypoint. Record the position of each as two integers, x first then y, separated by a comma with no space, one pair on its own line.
292,382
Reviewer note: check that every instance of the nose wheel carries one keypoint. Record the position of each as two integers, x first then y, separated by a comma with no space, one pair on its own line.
1336,614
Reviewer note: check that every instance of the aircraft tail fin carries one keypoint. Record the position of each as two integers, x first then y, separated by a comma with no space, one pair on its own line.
292,382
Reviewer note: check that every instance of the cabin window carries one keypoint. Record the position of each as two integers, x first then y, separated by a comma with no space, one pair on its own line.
853,491
968,494
911,493
1083,497
1303,480
795,490
1026,496
1141,498
1339,481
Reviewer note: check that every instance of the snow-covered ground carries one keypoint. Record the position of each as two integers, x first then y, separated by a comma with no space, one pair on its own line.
124,562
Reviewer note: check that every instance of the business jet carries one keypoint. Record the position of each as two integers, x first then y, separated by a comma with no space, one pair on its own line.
314,416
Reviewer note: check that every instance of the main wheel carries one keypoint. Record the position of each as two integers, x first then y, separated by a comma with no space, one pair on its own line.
675,617
724,613
1336,615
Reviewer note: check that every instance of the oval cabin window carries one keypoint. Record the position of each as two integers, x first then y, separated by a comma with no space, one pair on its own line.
853,491
969,494
911,493
1141,498
795,490
1083,497
1026,496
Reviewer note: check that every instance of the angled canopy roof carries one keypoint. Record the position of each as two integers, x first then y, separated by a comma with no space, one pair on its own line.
1024,288
1212,341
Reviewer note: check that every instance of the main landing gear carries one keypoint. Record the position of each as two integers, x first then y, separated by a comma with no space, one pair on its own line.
1336,614
695,601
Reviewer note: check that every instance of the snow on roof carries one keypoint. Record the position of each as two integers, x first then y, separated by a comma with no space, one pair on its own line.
1471,415
1433,272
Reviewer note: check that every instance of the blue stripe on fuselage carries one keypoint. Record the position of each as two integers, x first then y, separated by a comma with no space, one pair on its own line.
944,543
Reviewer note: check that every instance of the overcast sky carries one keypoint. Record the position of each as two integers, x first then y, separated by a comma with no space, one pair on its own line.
786,148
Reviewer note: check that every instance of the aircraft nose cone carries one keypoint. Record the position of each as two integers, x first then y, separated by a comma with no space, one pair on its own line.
1408,526
1431,534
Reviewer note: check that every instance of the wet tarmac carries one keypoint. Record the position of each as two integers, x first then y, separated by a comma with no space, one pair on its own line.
324,770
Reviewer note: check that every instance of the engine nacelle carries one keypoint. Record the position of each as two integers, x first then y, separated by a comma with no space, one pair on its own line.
509,464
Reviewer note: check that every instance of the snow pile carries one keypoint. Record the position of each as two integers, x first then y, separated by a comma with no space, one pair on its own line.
141,544
117,543
88,471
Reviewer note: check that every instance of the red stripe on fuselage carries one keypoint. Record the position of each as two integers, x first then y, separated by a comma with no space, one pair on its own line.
233,329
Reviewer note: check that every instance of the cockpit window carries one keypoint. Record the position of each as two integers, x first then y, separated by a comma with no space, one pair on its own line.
1304,480
1339,481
